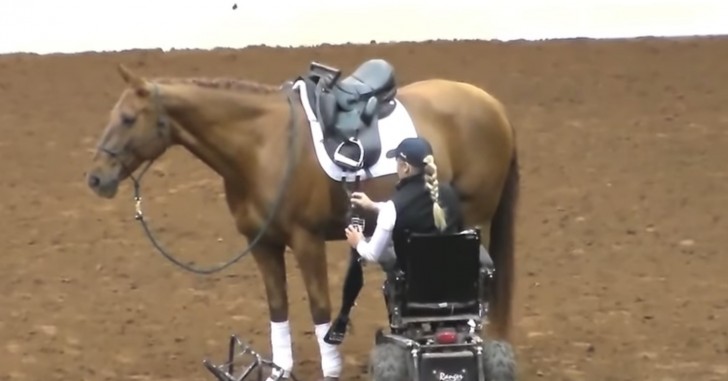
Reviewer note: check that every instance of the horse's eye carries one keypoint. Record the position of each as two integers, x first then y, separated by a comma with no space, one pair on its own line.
128,120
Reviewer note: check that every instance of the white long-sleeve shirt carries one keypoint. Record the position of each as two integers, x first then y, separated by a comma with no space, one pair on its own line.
382,236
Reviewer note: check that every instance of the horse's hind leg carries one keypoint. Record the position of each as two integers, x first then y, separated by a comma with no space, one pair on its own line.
272,267
310,252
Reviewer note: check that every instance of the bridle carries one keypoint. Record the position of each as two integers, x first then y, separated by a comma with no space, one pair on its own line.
136,180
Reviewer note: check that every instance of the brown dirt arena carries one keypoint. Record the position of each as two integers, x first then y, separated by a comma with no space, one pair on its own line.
622,274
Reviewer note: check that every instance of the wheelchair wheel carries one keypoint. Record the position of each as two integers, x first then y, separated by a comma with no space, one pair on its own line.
499,362
389,362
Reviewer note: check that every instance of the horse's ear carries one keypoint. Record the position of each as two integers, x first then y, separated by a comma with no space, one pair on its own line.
134,81
127,75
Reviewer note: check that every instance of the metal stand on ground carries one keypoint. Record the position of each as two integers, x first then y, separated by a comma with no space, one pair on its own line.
226,371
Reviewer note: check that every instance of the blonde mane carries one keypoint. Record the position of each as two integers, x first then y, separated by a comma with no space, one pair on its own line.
222,83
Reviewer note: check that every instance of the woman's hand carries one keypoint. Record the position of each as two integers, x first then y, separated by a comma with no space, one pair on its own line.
353,235
361,200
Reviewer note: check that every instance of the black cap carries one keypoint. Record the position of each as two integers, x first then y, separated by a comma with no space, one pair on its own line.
412,150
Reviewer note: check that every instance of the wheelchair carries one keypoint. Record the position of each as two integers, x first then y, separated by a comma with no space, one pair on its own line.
437,301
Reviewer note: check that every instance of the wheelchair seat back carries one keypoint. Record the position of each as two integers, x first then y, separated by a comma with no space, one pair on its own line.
442,272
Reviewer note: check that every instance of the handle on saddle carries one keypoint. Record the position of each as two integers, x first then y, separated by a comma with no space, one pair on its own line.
333,73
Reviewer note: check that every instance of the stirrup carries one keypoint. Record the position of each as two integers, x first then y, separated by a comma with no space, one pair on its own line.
337,331
347,162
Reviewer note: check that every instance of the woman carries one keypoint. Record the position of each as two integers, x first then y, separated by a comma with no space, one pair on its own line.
420,205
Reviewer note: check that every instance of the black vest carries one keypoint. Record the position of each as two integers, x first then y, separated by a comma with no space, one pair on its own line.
414,210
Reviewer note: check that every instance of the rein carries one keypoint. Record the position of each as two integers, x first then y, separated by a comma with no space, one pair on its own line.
139,215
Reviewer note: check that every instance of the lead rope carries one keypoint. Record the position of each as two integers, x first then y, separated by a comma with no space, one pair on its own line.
139,215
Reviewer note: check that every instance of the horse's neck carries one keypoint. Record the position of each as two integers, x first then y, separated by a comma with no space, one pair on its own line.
206,113
218,127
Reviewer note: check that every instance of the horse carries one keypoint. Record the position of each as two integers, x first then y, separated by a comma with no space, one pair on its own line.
243,131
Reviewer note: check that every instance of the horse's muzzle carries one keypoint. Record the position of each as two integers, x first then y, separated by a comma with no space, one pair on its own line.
103,184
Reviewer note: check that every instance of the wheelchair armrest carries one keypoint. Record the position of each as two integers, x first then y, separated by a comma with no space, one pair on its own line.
396,286
398,281
485,285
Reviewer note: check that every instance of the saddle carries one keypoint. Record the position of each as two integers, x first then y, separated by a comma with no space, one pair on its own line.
349,110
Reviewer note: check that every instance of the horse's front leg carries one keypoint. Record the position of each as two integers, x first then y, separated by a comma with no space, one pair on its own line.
310,252
272,266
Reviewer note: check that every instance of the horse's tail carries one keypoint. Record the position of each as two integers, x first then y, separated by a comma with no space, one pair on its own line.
501,248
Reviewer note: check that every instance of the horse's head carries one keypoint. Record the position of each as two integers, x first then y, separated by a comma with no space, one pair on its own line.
137,132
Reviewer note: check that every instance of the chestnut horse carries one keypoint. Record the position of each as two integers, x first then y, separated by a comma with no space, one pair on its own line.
243,131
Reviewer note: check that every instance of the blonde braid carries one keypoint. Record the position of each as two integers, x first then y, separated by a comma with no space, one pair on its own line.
434,187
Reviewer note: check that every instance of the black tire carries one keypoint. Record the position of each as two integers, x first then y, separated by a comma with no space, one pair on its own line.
389,362
499,361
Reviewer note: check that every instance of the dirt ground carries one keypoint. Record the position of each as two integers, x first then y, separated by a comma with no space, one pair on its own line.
621,269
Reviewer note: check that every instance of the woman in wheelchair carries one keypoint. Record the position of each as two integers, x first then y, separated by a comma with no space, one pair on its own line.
420,205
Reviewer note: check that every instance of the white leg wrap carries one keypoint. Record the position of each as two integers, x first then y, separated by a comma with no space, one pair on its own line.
330,356
280,340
